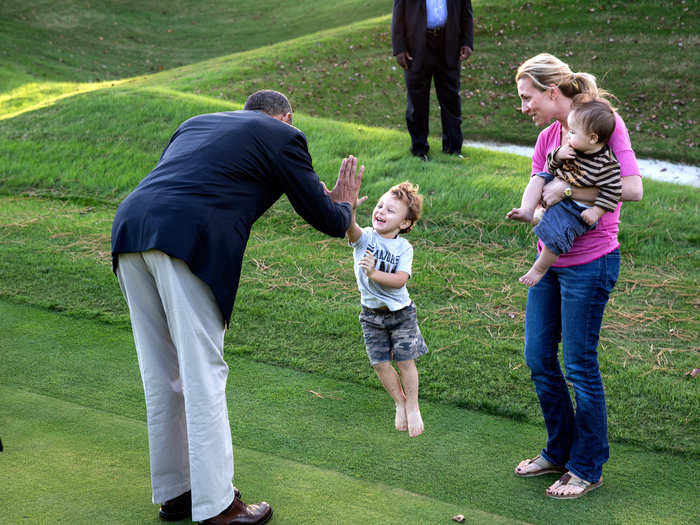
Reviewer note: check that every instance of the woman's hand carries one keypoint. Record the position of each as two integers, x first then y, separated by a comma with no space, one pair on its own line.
553,192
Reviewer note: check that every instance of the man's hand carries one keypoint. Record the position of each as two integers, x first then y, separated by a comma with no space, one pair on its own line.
347,187
404,59
465,52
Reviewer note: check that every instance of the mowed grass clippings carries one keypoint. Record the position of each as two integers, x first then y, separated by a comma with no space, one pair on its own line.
471,307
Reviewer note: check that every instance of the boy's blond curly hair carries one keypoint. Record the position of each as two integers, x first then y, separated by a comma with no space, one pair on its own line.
408,193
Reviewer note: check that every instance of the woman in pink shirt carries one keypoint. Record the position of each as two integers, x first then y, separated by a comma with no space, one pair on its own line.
567,304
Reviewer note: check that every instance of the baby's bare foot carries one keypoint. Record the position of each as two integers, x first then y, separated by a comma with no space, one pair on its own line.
519,214
532,277
401,421
415,423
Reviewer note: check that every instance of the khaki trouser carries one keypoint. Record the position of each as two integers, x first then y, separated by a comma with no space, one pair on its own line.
179,334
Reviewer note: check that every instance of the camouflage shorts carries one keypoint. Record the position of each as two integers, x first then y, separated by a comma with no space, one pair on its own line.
392,336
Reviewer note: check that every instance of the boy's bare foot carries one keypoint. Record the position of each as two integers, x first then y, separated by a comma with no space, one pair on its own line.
532,277
520,214
415,423
401,421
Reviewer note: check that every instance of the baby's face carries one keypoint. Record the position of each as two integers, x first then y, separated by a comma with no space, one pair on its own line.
389,216
580,139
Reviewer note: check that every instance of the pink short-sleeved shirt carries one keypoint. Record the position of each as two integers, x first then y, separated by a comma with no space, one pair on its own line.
602,239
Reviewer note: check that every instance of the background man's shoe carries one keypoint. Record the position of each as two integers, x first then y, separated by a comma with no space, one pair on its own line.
180,508
238,513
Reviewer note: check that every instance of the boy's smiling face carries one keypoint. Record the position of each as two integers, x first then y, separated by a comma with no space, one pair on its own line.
389,216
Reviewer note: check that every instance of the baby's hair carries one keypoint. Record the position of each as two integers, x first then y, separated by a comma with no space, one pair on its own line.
595,114
408,193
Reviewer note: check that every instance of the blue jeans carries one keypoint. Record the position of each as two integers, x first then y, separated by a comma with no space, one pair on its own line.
567,305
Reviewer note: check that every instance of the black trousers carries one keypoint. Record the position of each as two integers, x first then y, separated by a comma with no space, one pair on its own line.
418,100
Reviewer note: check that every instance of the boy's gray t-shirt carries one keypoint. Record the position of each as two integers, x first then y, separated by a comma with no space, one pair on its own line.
391,256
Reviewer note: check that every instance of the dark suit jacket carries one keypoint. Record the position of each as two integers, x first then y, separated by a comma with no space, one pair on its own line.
409,22
216,177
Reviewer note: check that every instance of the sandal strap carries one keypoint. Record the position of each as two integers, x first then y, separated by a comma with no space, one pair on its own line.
572,479
541,462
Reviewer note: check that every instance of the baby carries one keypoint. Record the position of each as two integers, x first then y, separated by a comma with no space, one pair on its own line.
585,160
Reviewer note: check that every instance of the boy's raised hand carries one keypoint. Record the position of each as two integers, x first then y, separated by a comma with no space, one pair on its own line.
360,201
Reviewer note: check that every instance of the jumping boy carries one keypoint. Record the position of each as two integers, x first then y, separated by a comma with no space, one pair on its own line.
383,262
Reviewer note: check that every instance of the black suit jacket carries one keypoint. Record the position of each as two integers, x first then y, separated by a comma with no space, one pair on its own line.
409,22
216,177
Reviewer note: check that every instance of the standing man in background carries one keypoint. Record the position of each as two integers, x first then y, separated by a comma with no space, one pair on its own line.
430,38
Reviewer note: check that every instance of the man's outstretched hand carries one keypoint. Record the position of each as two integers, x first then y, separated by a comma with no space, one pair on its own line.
347,187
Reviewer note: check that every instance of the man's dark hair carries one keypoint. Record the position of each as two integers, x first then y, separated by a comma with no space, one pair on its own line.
268,101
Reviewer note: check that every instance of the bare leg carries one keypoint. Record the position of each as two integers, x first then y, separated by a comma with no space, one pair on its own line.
531,197
542,264
390,379
409,380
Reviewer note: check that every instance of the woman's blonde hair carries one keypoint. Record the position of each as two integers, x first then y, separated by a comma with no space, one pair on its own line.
546,70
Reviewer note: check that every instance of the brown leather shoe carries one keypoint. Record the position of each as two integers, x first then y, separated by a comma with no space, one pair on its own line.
238,513
180,508
177,509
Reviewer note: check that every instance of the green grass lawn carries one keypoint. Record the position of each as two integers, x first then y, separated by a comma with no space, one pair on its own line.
90,94
320,450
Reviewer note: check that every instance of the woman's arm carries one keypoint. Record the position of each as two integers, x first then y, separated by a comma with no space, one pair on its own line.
632,191
632,188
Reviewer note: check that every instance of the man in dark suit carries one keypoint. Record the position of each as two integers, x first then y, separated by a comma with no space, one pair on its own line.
430,38
177,246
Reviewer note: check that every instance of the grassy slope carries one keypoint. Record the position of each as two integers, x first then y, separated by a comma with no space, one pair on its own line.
76,445
85,152
467,260
347,72
467,257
